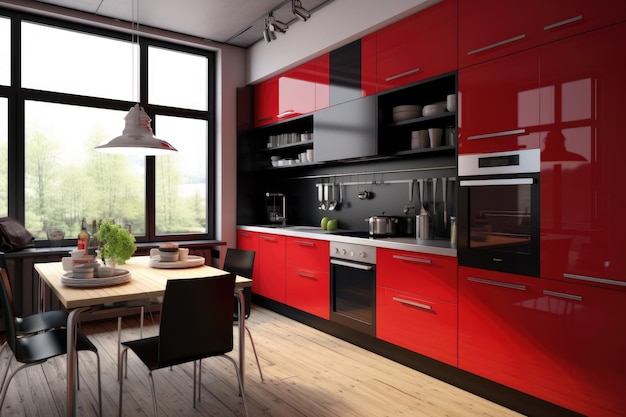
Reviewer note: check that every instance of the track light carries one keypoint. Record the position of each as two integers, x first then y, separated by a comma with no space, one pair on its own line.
299,11
276,25
268,34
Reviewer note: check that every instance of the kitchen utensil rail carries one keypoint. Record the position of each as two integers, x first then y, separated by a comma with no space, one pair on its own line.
390,171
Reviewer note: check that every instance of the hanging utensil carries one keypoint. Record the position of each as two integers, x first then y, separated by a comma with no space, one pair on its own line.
332,204
320,196
410,206
421,192
435,197
444,189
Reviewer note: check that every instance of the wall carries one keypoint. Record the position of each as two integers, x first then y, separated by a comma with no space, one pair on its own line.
336,24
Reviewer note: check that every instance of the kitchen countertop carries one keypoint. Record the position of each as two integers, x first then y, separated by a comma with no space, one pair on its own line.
435,247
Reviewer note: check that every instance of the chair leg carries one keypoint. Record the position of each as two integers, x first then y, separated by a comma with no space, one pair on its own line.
240,382
120,365
194,383
5,386
99,385
154,399
255,355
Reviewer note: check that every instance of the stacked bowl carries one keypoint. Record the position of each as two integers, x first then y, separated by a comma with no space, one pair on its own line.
406,112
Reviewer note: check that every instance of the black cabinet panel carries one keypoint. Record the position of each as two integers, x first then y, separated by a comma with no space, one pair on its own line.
345,73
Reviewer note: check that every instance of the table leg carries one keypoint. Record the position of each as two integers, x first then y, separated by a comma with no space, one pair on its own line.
242,334
72,327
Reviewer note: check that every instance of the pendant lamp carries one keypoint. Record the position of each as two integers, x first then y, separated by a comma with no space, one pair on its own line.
137,137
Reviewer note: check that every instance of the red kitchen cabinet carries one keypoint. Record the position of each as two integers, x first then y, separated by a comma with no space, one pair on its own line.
368,64
496,325
416,302
250,241
322,81
582,158
271,267
308,277
499,104
266,102
296,91
418,47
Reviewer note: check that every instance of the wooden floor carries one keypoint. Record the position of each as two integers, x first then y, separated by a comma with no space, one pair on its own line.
307,373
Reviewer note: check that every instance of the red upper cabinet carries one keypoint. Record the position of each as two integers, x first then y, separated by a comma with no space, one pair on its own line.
368,64
266,102
322,81
419,47
499,104
582,164
296,91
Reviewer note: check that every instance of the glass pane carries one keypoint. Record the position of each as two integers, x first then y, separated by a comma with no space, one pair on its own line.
177,79
66,180
5,51
4,158
181,179
66,61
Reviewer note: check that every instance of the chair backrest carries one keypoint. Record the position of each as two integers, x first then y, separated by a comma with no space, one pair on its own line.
240,262
196,319
7,306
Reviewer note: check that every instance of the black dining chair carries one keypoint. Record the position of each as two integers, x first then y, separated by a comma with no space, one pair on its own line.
37,348
241,262
196,323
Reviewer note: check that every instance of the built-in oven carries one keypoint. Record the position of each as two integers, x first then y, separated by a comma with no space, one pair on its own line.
498,215
353,286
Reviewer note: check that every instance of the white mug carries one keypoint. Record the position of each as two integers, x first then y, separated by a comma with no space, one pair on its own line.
183,254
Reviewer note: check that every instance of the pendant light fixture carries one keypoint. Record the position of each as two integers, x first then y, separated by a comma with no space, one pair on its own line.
137,137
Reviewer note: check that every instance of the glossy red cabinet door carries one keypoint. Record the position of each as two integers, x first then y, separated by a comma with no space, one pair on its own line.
418,47
250,241
272,267
308,253
322,81
496,325
308,276
296,91
368,64
421,324
582,168
578,360
266,102
499,104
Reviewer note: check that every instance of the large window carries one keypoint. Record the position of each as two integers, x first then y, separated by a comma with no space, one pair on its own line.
77,85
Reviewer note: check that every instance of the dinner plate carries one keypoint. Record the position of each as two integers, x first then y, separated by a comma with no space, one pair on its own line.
192,260
120,276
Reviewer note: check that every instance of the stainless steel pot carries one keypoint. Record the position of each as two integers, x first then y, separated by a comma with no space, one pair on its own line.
382,226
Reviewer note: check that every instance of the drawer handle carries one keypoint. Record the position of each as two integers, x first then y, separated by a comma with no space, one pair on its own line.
563,22
285,114
495,45
262,119
563,295
273,239
301,243
404,74
412,303
594,279
410,259
244,235
498,134
498,283
305,274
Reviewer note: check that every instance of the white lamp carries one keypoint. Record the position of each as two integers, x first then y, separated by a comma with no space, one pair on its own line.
137,137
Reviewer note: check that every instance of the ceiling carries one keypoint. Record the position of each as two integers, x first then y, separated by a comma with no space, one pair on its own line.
233,22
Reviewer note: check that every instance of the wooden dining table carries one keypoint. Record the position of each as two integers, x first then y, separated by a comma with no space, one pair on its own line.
146,283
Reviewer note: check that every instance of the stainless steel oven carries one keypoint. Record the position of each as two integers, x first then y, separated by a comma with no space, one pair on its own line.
353,286
498,218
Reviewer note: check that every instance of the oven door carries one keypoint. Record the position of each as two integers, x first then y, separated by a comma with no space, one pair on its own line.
353,295
498,223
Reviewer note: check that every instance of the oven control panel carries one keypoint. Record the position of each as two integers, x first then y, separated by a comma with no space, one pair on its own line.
353,252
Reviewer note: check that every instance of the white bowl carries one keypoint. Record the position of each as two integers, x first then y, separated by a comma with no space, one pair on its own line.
274,163
401,113
275,158
407,107
434,109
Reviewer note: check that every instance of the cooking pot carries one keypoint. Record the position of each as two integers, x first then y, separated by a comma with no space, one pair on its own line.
382,226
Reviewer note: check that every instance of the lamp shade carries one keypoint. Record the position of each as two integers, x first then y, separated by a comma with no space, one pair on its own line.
137,137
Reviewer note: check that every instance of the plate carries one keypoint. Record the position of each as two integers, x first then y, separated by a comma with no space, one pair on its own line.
192,260
120,276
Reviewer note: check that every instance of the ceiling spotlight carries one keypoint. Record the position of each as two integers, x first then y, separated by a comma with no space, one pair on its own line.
268,34
276,25
299,11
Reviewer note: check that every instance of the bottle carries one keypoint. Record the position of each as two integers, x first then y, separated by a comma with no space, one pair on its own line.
83,236
93,240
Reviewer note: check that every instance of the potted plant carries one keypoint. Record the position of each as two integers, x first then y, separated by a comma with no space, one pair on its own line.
117,244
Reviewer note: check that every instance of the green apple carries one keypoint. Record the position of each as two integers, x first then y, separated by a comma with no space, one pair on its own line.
324,222
332,224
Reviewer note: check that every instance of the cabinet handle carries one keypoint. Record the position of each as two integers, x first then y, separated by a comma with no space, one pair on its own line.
351,265
594,279
244,235
411,259
412,303
404,74
563,22
563,295
495,45
262,119
301,243
498,134
498,283
273,239
306,274
285,114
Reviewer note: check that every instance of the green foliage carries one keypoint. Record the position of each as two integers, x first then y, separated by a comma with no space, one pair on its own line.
118,243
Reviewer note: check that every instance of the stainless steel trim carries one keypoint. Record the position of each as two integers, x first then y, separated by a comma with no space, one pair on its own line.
351,265
498,134
495,45
563,22
404,74
498,283
594,279
563,295
412,303
301,243
411,259
501,181
529,162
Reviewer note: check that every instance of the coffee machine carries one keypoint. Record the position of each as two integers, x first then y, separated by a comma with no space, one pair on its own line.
276,208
